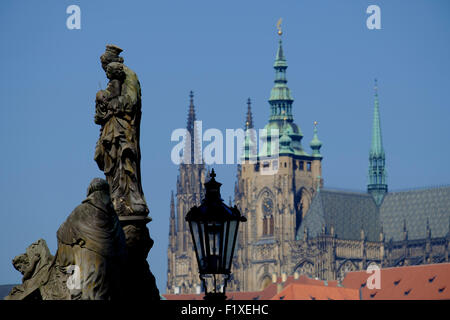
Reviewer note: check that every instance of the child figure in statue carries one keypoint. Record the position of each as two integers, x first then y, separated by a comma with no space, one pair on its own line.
108,100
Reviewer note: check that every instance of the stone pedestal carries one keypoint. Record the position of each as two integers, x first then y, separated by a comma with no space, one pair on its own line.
140,282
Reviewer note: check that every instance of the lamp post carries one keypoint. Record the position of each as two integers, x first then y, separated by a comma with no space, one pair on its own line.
214,227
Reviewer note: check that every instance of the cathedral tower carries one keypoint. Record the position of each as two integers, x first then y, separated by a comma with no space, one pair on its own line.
275,185
182,275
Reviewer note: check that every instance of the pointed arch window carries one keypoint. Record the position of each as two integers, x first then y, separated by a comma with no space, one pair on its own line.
267,208
264,225
271,225
268,225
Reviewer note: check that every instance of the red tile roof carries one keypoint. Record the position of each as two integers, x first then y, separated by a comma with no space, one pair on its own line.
297,291
411,282
266,294
424,282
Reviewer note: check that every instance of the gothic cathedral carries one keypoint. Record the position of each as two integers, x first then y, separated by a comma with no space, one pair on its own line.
294,225
274,194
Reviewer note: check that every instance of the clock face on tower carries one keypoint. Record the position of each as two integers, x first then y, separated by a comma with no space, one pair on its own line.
267,205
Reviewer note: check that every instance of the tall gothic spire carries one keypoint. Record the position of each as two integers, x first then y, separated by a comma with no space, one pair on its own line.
192,148
377,174
249,120
172,227
280,97
249,150
281,117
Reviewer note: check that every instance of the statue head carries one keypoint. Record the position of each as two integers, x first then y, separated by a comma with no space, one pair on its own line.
36,251
111,55
21,263
98,190
98,184
114,70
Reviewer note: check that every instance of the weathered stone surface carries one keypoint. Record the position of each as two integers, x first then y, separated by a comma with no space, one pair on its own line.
90,261
118,155
43,279
104,243
92,239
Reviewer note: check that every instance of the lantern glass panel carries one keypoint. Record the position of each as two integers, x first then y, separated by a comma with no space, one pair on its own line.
233,225
224,248
214,232
197,235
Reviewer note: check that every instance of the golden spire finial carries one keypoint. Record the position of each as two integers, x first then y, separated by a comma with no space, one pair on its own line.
315,123
279,27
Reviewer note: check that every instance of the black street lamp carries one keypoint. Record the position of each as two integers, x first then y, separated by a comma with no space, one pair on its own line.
214,227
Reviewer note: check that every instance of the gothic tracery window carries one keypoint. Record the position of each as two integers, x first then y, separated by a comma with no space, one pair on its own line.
267,208
346,267
268,225
264,226
271,225
306,269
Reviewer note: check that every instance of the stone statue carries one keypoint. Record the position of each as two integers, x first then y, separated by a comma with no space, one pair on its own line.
42,278
90,263
118,155
118,111
92,240
104,243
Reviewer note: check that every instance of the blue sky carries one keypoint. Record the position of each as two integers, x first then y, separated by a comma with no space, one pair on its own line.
224,52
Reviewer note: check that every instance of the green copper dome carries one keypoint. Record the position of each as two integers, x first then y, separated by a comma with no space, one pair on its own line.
285,140
290,131
286,144
282,126
315,143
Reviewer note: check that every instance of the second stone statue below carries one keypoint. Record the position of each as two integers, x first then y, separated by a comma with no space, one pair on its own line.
91,261
92,241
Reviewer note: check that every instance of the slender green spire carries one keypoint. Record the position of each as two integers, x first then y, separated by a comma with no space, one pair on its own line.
280,97
281,117
377,173
377,142
280,60
315,143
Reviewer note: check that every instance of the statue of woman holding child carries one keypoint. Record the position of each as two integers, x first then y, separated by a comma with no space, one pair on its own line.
118,111
118,155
